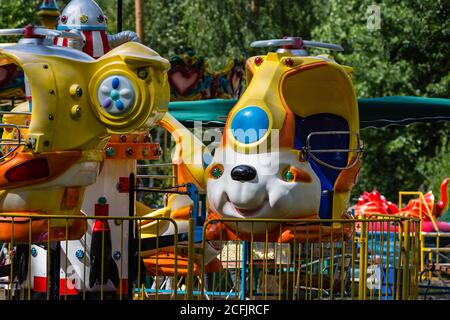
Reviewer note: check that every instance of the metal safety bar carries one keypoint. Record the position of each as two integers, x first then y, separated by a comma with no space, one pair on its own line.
310,152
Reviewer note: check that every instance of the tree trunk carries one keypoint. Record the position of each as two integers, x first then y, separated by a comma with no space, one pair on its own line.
254,7
139,8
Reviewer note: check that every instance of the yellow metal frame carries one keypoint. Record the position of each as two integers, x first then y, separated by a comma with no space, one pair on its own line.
406,243
422,201
66,218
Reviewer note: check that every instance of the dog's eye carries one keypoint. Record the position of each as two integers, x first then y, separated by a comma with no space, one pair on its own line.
294,174
288,176
216,171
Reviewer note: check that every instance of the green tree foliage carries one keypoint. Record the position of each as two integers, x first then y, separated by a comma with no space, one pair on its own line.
220,29
16,14
407,55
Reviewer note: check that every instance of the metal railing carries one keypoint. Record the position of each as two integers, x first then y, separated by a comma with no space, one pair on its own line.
372,258
20,257
434,252
435,270
172,177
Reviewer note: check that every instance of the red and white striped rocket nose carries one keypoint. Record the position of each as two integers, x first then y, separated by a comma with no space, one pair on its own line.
95,43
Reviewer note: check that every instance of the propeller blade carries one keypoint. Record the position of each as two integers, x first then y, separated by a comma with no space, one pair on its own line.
12,32
41,32
272,42
298,43
315,44
56,33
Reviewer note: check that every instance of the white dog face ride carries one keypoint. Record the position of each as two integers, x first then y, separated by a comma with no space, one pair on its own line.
262,185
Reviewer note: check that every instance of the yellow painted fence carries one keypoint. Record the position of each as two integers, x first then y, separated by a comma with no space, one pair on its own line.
374,258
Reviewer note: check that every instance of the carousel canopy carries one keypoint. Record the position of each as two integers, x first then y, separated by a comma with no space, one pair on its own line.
373,112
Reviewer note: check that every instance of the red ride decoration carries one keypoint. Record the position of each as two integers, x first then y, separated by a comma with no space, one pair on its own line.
130,152
124,185
101,210
123,138
298,43
100,225
441,204
29,170
415,206
289,62
28,32
374,203
258,61
423,208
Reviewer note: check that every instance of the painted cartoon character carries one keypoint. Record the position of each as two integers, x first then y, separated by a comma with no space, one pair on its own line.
291,145
87,18
191,79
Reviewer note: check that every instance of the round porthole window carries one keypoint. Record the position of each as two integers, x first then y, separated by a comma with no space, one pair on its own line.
116,95
249,124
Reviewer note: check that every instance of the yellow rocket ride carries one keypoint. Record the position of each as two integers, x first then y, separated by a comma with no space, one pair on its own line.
77,103
291,147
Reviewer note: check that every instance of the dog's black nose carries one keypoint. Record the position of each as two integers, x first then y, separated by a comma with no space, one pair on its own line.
243,173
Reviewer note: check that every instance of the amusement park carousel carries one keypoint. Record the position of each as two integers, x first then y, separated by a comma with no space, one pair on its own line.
125,175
